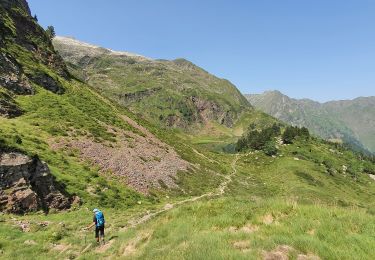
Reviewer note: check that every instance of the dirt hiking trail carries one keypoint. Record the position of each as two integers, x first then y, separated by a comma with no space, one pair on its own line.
134,222
219,191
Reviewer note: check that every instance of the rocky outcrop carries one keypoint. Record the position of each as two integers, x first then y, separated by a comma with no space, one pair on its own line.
20,36
138,95
26,185
12,76
49,83
8,107
199,110
227,118
209,110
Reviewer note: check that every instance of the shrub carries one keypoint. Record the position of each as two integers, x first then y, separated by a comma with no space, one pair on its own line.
270,149
51,32
369,167
354,171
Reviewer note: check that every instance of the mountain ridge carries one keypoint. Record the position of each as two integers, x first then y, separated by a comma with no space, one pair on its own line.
173,93
278,92
74,42
325,119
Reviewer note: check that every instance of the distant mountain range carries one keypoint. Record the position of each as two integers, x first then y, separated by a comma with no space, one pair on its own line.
179,94
349,121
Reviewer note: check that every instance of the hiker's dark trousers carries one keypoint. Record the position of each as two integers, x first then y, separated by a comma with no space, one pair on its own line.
99,230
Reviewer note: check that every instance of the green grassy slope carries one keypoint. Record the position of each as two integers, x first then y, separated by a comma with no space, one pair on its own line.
228,206
270,203
77,112
173,93
47,116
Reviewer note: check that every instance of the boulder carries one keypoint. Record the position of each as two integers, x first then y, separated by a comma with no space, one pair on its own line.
22,201
27,185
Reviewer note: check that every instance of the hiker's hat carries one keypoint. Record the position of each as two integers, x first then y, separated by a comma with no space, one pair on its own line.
95,210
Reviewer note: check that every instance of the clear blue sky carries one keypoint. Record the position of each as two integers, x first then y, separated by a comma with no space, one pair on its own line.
319,49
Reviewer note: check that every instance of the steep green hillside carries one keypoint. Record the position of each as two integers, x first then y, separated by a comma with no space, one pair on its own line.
76,131
351,121
174,93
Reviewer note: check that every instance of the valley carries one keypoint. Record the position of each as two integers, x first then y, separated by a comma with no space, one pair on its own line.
181,164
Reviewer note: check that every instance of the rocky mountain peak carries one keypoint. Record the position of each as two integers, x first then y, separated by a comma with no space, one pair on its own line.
82,49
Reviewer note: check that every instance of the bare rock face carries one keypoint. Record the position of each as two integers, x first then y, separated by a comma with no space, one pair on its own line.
201,110
8,106
23,200
209,110
26,185
47,82
12,76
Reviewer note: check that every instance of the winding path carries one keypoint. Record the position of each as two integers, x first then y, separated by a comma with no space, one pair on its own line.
219,191
134,222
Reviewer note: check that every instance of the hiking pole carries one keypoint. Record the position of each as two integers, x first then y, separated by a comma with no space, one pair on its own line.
85,231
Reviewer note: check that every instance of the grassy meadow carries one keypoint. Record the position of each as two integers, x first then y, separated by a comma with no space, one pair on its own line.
274,205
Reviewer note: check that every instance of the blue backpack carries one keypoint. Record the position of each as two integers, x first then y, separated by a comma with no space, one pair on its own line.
99,219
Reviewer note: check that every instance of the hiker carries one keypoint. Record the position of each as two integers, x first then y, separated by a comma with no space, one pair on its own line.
98,221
